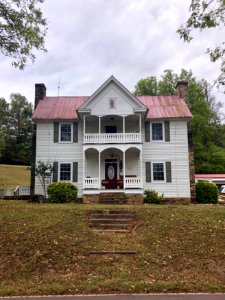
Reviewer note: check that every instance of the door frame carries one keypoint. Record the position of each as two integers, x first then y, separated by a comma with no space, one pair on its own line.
112,160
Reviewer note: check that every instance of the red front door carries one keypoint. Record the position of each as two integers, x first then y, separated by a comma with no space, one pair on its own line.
111,175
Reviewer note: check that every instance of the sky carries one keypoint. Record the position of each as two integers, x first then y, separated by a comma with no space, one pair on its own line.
89,40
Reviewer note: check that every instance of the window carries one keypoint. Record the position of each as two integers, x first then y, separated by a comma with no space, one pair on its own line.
65,132
158,171
157,131
65,172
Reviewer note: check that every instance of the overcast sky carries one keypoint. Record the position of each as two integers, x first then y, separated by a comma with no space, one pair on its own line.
89,40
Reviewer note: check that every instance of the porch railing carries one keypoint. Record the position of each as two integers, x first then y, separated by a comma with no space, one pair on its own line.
112,138
91,183
132,182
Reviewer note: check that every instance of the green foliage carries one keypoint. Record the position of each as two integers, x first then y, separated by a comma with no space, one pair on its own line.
43,171
206,192
61,192
22,30
147,86
152,197
15,130
207,14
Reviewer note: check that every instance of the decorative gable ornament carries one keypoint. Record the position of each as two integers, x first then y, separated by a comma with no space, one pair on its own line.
112,103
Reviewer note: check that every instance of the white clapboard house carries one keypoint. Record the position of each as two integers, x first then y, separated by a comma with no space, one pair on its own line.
115,142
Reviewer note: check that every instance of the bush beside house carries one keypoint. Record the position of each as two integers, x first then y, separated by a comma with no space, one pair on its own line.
206,192
61,192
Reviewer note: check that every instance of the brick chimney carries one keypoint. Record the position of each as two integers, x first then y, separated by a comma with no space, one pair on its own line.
40,93
182,92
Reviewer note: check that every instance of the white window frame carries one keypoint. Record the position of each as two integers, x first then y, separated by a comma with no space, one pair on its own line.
164,171
71,171
71,126
163,135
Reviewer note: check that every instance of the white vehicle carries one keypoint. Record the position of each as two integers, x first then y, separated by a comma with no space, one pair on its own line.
222,189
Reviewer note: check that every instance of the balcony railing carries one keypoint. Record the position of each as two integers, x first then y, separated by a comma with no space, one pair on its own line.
129,183
111,138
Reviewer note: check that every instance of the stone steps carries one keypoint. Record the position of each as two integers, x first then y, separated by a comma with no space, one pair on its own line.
111,220
112,198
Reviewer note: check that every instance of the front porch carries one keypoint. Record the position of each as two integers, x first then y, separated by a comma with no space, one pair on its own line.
117,168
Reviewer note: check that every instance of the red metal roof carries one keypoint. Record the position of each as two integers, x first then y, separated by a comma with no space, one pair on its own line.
65,108
58,108
209,176
165,107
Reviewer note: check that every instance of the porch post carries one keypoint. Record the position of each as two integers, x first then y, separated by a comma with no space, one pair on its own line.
84,126
99,129
84,158
123,129
140,125
124,167
140,159
99,168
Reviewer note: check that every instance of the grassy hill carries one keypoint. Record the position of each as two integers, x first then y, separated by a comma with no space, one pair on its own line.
11,176
45,248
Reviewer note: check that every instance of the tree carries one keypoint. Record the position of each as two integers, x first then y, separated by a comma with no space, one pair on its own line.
44,172
207,14
148,86
15,130
22,30
207,129
4,125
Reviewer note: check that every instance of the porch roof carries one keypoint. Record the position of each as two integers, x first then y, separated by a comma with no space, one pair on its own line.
65,108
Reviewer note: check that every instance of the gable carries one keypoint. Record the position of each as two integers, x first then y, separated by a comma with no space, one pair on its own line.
112,99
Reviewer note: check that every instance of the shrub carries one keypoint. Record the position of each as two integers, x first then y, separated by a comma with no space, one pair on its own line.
61,192
206,192
153,197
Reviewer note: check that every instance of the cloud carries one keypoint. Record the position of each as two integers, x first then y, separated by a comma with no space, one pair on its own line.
88,40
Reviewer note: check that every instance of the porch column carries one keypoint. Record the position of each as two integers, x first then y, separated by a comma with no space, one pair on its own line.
140,126
140,159
124,168
99,129
99,169
84,126
123,129
84,158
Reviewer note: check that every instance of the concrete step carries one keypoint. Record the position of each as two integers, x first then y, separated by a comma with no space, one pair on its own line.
110,221
113,211
111,230
111,217
111,226
113,201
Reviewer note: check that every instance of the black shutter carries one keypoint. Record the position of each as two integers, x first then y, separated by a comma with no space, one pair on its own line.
148,171
75,171
147,131
56,132
168,172
55,172
167,131
75,132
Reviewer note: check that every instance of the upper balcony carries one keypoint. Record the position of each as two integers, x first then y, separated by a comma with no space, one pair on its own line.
112,129
112,138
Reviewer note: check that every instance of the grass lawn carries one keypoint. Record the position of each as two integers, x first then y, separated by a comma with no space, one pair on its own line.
44,249
11,176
